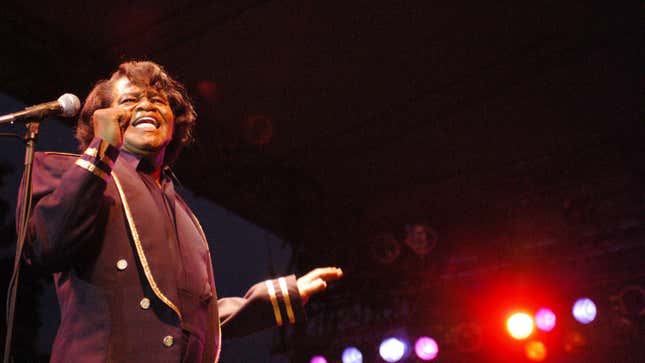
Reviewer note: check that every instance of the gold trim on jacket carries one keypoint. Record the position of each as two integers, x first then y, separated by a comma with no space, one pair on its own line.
139,248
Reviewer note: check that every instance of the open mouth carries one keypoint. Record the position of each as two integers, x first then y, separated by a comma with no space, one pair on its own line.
146,122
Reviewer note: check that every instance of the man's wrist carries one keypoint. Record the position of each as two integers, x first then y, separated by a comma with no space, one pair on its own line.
99,158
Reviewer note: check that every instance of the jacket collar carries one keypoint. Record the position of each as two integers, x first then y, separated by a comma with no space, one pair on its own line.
136,162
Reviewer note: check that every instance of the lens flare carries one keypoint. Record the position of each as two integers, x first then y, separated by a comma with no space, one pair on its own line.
392,350
535,351
545,319
520,325
584,311
352,355
318,359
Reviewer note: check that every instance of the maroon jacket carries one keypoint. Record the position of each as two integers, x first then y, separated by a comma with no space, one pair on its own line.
134,281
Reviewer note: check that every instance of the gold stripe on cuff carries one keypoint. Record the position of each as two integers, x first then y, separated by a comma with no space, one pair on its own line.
91,151
274,302
287,299
100,154
92,168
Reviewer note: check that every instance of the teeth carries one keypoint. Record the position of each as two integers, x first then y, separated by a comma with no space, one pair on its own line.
145,125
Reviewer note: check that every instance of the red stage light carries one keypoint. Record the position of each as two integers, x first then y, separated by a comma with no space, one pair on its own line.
258,129
574,341
208,90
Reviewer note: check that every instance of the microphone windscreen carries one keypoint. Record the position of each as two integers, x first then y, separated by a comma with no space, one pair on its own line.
70,104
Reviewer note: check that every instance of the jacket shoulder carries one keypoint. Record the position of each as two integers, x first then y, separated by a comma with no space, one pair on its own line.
53,164
56,154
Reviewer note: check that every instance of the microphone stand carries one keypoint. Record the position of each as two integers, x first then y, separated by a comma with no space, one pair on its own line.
25,203
7,120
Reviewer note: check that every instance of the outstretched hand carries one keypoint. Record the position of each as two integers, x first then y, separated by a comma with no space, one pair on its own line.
315,281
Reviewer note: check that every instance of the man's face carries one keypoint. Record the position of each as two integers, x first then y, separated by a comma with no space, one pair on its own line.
152,121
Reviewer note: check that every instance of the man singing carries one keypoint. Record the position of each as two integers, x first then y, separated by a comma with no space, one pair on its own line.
130,261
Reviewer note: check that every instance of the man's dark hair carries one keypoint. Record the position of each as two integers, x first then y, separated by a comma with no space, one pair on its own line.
142,73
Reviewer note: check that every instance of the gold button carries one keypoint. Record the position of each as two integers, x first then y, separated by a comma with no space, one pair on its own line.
121,264
145,303
168,341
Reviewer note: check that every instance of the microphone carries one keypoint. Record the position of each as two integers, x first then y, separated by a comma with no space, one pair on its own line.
66,105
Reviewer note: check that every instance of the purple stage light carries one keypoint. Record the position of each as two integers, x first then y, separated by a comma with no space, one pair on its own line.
584,311
426,348
318,359
352,355
545,319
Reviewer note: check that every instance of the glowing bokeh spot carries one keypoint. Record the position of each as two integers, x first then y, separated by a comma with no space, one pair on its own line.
535,351
392,350
574,341
520,325
318,359
352,355
258,129
545,319
426,348
584,310
208,90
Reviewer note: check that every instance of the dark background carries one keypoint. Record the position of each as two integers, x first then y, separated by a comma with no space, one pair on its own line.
513,129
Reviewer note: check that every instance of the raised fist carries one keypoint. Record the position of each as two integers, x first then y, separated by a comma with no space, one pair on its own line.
110,124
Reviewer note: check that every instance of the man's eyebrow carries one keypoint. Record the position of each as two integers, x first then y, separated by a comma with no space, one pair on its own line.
131,93
151,93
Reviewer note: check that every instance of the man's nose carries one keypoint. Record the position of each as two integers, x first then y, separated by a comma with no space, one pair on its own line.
144,104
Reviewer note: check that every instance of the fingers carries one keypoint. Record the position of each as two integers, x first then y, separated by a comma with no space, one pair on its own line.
317,285
316,280
111,115
325,273
110,123
124,118
309,288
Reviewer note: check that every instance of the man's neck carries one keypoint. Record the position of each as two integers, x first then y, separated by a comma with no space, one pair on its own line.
156,175
152,164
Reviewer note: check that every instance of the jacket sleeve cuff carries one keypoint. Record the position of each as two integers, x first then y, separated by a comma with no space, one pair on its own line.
285,300
99,158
